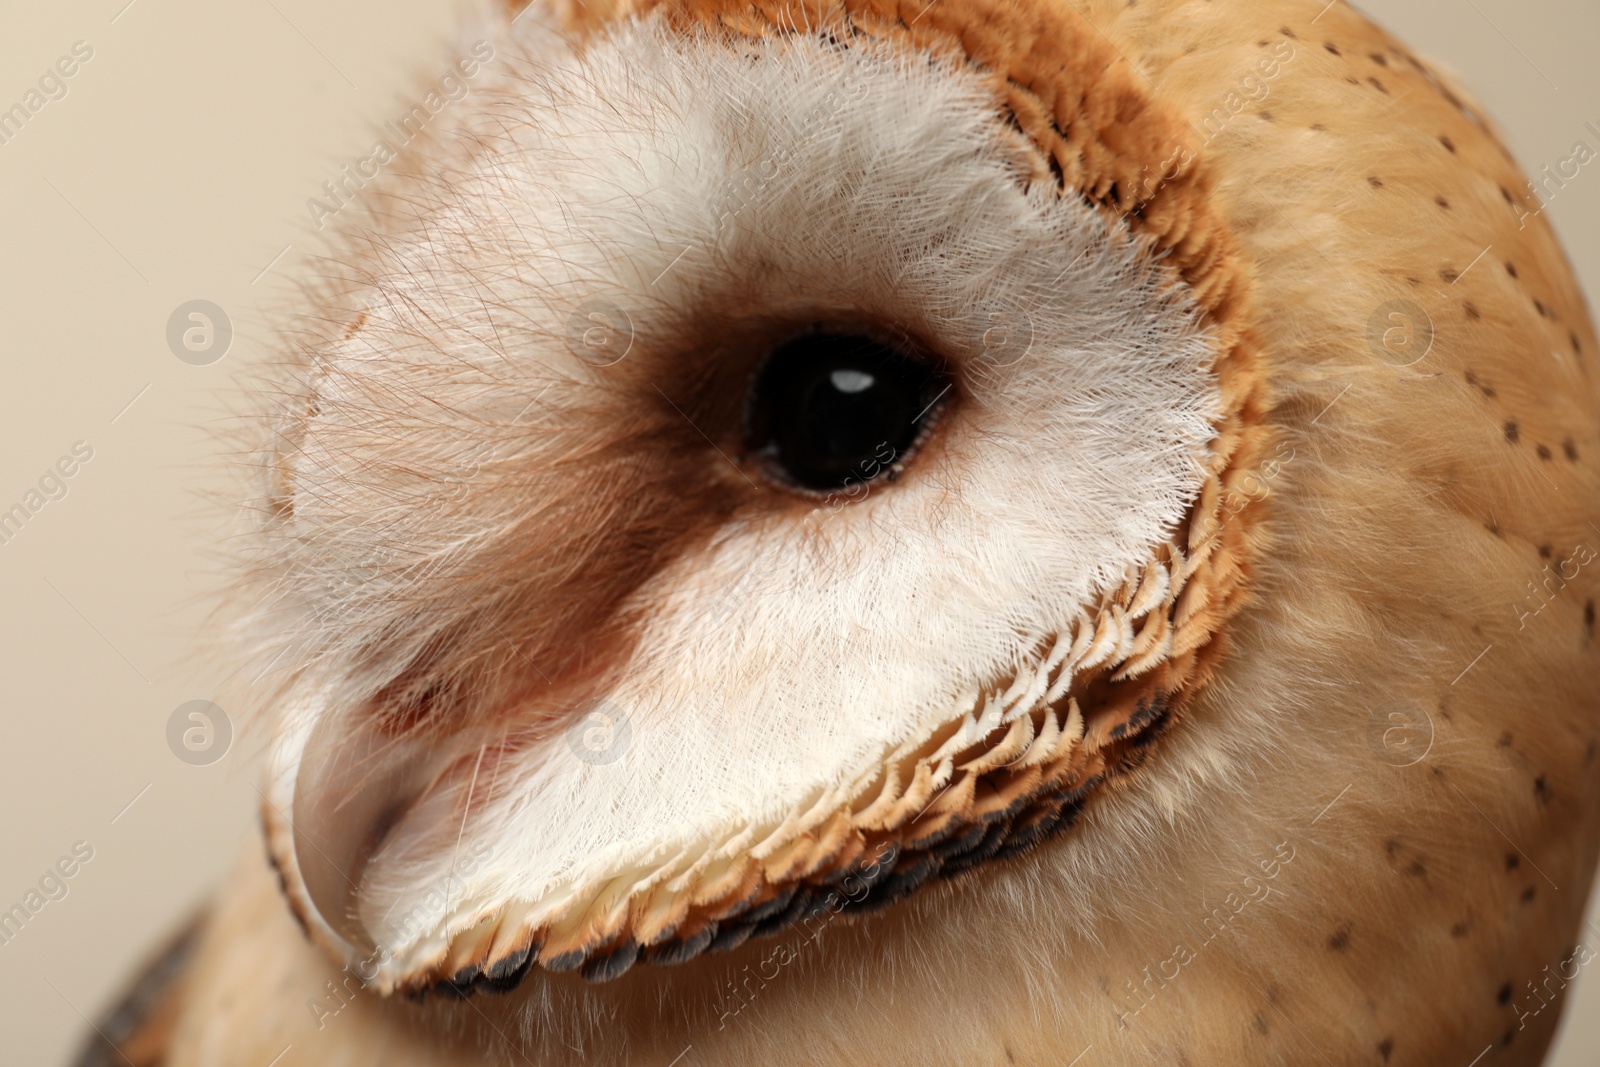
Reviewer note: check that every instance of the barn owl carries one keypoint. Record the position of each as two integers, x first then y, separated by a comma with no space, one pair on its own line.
978,532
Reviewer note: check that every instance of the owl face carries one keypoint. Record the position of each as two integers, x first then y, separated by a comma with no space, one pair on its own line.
736,480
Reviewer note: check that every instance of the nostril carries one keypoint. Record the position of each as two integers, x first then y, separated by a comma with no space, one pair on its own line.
831,408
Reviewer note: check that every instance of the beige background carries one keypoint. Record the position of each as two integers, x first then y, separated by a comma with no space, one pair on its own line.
177,167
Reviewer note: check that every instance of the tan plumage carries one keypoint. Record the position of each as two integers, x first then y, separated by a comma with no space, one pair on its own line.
1382,549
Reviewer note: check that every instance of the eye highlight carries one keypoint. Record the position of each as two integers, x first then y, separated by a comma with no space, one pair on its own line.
830,408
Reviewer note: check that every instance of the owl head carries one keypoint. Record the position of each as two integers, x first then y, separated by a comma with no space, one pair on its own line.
754,461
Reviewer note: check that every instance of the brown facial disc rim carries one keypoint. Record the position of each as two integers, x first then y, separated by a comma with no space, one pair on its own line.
1108,141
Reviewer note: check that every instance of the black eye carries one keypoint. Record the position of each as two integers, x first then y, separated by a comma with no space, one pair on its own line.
833,409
